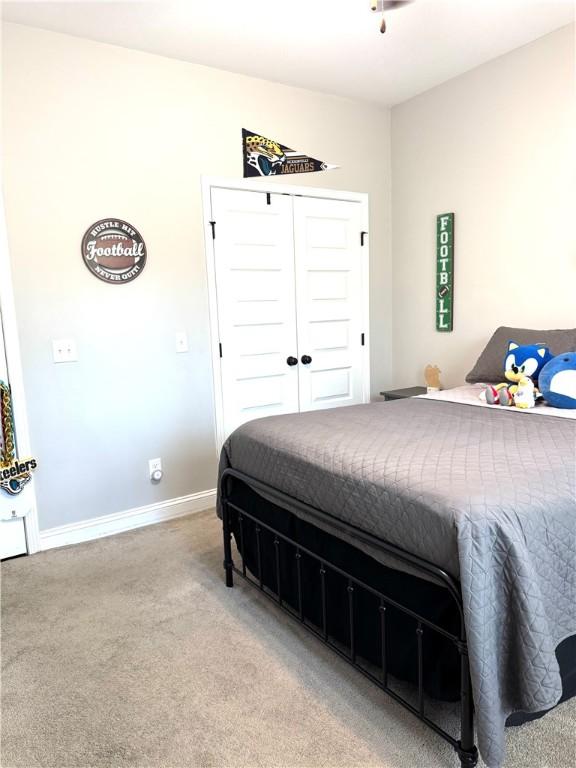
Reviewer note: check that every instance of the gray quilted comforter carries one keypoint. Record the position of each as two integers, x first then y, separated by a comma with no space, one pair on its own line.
487,494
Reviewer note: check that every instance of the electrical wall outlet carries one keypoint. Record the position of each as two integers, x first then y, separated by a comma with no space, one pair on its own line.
181,342
155,470
154,465
64,351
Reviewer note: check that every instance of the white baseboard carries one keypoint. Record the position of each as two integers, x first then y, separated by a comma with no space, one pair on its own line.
107,525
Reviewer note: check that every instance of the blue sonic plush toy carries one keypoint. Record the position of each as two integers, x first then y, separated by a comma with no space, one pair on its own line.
522,366
558,381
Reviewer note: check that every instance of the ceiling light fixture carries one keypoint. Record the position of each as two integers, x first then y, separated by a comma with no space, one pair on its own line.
381,6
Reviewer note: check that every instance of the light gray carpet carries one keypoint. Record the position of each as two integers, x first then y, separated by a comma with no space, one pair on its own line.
129,651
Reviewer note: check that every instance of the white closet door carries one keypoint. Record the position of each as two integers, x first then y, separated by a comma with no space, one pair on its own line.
3,364
254,264
329,302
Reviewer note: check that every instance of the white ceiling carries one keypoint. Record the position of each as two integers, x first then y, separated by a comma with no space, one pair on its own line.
327,45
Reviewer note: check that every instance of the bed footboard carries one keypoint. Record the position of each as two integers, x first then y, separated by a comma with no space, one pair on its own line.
248,525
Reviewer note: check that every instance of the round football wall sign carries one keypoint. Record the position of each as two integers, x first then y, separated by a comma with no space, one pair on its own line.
114,251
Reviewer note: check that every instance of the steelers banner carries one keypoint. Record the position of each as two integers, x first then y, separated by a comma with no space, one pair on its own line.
14,472
264,157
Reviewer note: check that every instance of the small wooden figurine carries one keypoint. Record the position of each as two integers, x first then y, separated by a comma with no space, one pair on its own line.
432,378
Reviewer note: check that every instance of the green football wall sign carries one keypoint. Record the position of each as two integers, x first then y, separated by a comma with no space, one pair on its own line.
444,271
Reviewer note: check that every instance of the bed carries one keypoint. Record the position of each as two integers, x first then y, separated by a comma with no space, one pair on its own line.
430,541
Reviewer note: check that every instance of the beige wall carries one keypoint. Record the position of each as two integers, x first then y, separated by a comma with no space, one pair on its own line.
496,146
91,131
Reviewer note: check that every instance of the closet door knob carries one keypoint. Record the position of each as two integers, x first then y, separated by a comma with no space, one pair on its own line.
292,360
306,359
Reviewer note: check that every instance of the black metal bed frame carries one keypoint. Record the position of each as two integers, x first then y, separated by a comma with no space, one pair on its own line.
464,746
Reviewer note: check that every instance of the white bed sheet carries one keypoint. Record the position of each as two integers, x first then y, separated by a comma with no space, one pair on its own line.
469,394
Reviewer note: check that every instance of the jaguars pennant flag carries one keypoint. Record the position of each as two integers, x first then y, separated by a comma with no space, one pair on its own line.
264,157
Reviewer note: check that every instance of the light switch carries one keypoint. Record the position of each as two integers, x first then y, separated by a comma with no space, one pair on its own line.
181,342
64,351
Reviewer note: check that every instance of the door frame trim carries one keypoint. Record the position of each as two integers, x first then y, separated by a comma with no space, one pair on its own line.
265,185
15,372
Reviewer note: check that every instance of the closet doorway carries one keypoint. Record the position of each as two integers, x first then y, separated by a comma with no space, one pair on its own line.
288,285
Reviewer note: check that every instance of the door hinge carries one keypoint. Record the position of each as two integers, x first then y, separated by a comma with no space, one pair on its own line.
213,225
362,236
220,349
268,198
362,339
